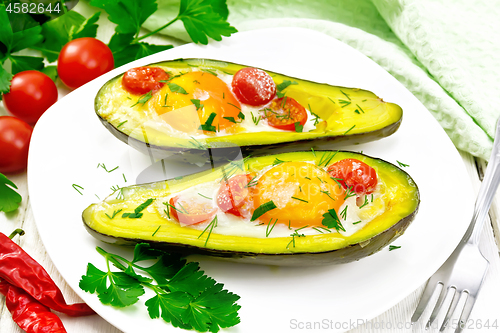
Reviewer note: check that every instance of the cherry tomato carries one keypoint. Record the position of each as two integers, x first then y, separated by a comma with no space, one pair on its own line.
141,80
82,60
284,112
234,195
15,136
190,210
353,173
31,94
253,86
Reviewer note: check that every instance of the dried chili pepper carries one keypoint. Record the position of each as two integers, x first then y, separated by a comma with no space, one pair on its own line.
29,314
20,270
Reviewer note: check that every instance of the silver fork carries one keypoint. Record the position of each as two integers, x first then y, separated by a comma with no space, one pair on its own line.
466,268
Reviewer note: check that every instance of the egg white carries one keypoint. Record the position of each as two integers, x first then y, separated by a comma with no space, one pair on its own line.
228,224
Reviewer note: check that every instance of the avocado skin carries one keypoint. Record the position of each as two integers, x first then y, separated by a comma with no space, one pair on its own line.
350,253
223,154
227,149
345,255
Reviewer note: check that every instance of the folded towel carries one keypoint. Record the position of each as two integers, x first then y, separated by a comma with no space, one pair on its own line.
446,52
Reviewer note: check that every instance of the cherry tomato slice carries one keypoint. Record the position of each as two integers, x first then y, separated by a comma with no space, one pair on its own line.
284,112
31,94
353,173
253,86
190,210
141,80
234,195
15,137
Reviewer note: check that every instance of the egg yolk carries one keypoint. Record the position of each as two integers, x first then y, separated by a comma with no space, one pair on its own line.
188,101
302,192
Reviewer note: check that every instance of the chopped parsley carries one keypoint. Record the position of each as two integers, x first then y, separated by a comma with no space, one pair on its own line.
349,130
114,214
298,126
393,247
197,103
120,124
255,119
326,158
176,88
300,199
211,226
331,220
364,203
402,164
75,186
137,211
270,228
262,209
282,86
343,213
104,167
144,98
207,126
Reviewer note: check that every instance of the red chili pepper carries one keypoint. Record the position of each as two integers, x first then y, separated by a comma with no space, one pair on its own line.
29,314
22,271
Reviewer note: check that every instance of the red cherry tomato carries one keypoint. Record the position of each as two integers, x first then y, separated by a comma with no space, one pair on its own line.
253,86
82,60
353,173
190,210
284,113
141,80
15,137
31,94
234,195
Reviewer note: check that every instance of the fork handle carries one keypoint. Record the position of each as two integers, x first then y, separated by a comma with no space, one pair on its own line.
487,191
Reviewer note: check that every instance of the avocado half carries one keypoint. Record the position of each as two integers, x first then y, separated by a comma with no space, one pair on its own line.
344,115
319,249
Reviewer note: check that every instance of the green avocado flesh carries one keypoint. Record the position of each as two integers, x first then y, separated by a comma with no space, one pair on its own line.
339,114
106,222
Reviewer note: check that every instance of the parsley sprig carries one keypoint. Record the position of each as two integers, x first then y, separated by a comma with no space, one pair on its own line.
184,295
202,20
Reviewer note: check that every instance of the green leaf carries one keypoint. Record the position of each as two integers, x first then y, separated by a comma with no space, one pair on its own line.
122,291
9,199
6,33
24,63
190,280
214,308
331,220
132,52
26,38
88,28
94,281
60,31
128,15
144,251
51,71
176,88
201,21
172,306
165,268
5,78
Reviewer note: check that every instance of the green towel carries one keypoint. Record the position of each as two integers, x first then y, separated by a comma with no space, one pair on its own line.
446,52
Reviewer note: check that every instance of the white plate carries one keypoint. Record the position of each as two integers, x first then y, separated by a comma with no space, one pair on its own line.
69,142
